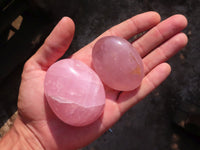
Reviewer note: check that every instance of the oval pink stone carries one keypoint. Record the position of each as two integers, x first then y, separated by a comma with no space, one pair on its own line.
74,92
117,63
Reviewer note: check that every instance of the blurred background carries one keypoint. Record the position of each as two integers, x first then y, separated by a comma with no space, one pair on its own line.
167,119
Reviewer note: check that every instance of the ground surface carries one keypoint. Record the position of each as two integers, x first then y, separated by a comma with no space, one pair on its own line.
151,124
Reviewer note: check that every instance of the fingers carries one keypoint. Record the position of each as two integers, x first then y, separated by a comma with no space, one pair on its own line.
160,33
150,82
164,52
134,25
126,29
167,34
55,45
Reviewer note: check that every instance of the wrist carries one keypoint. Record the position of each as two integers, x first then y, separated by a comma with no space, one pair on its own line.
20,137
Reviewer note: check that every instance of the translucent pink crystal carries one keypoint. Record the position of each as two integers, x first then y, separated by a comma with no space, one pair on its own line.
74,92
117,63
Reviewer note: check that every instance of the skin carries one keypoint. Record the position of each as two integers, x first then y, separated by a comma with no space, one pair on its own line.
38,122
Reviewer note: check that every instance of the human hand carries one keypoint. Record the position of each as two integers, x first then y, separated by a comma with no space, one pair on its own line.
161,42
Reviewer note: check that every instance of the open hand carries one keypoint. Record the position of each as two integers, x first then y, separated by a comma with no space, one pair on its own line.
162,41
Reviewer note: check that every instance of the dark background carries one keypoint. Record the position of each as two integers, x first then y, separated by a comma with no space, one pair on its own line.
167,119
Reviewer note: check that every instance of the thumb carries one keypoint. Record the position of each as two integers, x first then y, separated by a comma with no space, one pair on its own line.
55,44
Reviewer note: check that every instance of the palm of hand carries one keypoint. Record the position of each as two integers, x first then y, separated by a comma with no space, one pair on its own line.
33,108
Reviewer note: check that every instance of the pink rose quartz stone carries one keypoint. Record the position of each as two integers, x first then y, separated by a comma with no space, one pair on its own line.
74,92
117,63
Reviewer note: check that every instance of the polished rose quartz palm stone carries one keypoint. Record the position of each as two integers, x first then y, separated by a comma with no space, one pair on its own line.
74,92
117,63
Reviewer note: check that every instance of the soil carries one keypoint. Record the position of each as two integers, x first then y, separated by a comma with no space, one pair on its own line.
158,121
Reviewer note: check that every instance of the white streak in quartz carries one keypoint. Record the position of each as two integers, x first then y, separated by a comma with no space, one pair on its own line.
64,101
92,85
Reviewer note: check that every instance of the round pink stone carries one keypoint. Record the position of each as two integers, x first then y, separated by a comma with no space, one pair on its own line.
74,92
117,63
